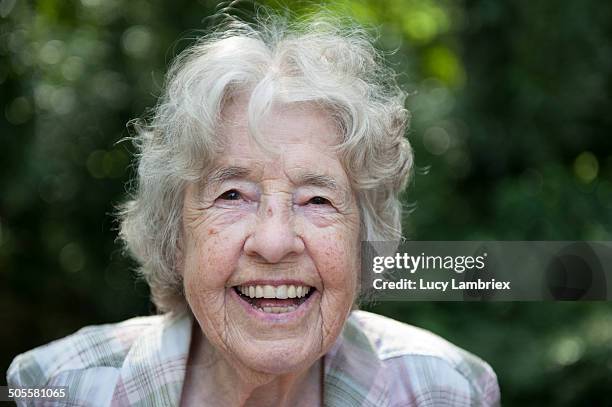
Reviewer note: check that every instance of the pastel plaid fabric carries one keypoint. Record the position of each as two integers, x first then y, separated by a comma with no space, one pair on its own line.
142,362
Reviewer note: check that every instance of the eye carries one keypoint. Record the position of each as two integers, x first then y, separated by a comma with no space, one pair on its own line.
231,195
317,200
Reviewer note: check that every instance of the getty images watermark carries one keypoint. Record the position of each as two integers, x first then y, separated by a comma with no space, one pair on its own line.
486,270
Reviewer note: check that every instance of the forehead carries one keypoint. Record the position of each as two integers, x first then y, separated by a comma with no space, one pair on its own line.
290,123
294,138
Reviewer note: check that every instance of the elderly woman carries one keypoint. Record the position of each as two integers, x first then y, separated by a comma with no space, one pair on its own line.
274,151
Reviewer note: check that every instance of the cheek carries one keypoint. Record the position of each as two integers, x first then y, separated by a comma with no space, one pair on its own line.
211,259
337,262
335,252
209,265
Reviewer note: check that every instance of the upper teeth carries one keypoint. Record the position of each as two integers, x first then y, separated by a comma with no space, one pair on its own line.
267,291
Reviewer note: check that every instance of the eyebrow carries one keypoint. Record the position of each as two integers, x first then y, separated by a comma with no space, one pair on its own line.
223,174
318,180
220,175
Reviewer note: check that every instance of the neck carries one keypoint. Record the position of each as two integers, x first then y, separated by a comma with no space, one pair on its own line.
216,379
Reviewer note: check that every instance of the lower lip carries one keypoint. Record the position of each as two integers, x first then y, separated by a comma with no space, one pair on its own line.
276,318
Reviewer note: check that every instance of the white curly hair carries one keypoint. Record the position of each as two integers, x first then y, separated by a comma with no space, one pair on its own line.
322,59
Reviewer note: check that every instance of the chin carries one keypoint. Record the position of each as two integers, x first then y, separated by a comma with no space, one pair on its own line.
281,357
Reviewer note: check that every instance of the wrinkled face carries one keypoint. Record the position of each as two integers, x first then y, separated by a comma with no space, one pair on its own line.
270,257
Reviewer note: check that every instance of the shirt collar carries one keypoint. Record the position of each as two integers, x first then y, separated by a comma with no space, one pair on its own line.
154,369
354,373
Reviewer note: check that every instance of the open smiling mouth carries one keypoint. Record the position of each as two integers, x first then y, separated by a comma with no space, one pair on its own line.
275,299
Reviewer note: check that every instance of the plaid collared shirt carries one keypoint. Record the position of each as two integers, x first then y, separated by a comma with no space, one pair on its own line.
141,362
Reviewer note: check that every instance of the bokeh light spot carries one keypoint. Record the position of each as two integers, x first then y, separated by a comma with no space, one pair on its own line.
115,163
52,52
63,100
423,21
436,140
95,163
19,111
16,41
586,167
567,351
111,88
442,63
107,164
72,258
72,68
91,3
137,41
599,329
420,25
42,95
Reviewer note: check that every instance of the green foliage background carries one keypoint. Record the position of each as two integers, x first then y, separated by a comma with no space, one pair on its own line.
511,130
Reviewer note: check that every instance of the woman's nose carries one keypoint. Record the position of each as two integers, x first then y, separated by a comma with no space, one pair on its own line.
274,237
